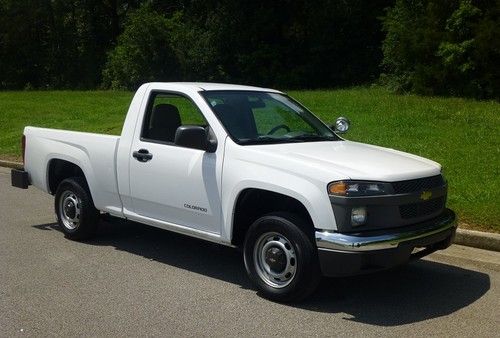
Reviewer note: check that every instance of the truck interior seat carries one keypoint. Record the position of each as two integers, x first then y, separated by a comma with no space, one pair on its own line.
164,122
239,121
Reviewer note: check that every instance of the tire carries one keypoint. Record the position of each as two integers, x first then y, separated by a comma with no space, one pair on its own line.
75,210
280,257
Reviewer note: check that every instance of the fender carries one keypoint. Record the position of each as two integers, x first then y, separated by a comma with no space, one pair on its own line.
312,199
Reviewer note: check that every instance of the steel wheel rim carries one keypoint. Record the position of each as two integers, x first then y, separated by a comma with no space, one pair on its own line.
70,209
272,247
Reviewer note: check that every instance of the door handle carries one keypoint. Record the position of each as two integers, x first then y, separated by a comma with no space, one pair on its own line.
142,155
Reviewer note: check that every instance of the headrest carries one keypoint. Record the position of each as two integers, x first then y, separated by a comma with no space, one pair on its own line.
164,115
240,122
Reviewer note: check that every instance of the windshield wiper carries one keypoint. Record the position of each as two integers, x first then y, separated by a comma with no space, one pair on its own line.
270,140
312,137
264,140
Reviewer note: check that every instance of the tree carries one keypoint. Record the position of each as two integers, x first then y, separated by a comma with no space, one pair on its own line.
291,43
443,47
144,51
57,43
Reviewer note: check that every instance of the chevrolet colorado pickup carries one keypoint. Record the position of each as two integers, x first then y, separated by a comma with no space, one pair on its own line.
251,168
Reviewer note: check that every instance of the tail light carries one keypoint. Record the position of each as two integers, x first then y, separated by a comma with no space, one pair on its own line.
23,146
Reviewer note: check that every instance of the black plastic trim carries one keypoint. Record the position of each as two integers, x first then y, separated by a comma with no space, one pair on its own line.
19,178
383,210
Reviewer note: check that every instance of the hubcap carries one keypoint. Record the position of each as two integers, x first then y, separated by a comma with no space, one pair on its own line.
275,259
70,210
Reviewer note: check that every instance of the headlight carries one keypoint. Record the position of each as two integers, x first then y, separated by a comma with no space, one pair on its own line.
357,188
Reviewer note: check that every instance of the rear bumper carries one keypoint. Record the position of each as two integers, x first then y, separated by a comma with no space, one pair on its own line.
350,254
19,178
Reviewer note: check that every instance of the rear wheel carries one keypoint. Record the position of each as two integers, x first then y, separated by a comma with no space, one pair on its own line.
75,210
280,257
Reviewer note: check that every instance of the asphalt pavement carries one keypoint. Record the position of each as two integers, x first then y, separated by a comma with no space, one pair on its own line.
134,280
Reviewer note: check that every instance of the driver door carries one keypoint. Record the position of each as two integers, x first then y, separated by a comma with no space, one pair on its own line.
169,183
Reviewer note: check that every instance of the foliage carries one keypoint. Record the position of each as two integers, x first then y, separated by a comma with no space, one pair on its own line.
443,47
291,43
433,47
197,48
84,43
143,52
267,43
57,43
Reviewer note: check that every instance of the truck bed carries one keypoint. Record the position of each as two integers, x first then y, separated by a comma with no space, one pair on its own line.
95,154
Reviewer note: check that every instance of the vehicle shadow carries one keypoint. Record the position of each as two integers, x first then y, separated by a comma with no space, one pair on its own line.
419,291
184,252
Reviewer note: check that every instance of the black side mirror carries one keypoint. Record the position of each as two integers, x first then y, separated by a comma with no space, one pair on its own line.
195,137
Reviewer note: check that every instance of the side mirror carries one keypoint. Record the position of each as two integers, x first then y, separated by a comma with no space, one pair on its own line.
195,137
341,125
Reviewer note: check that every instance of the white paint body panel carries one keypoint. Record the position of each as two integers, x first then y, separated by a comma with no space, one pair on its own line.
95,154
176,177
157,191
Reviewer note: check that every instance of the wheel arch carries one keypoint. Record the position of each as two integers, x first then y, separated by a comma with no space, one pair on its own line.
59,170
253,203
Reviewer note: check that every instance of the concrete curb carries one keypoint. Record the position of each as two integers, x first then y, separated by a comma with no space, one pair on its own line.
11,164
476,239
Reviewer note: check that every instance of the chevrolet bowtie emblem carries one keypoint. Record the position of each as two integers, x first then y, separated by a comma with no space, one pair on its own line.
425,195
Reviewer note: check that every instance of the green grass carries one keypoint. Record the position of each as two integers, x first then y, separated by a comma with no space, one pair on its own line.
463,135
94,111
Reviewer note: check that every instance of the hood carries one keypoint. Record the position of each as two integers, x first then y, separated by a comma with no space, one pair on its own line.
346,159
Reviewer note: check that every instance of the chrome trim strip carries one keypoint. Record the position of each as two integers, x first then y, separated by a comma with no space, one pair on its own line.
345,242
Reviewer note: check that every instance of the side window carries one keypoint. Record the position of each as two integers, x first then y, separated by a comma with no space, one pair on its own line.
165,113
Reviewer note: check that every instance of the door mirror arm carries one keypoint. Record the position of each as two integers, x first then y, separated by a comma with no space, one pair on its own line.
211,145
211,140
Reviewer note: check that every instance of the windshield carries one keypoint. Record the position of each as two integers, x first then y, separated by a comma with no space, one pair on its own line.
259,117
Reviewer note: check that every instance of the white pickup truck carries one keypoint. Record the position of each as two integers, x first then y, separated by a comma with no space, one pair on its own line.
251,168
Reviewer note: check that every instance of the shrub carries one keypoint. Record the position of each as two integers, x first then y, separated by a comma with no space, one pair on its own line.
143,52
443,47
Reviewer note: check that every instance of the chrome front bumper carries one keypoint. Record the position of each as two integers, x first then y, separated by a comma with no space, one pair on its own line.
373,241
351,254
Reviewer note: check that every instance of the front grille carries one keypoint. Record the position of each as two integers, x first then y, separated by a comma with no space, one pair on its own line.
404,187
421,209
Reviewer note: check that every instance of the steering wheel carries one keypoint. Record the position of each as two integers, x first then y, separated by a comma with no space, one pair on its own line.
281,126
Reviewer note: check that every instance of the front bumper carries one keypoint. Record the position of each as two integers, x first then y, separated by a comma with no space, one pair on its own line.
350,254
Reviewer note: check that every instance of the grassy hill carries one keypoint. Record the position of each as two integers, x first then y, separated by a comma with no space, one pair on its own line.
463,135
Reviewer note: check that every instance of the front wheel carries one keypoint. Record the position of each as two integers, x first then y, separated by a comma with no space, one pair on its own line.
280,257
75,210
